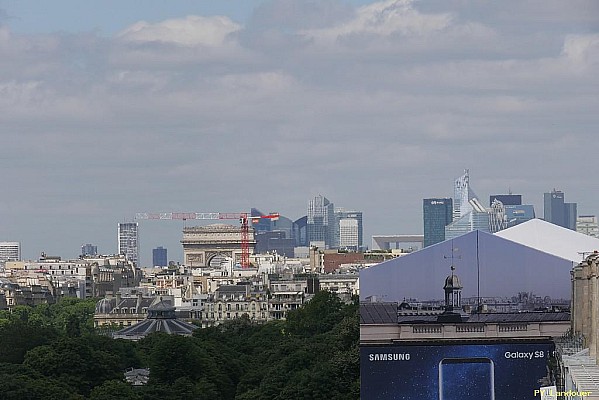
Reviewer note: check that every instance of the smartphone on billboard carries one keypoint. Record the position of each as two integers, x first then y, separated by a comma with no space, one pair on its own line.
466,379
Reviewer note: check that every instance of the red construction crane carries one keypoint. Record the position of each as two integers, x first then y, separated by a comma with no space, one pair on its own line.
243,218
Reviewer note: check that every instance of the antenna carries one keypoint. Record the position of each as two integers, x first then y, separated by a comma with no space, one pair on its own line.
453,256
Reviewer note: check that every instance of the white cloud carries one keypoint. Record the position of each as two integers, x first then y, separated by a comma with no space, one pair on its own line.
582,50
4,35
385,18
192,30
199,106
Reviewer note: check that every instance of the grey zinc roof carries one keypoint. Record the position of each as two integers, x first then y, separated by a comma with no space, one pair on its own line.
148,326
162,305
378,313
232,288
161,318
131,302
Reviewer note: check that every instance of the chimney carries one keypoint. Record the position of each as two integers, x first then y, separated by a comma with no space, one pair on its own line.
138,304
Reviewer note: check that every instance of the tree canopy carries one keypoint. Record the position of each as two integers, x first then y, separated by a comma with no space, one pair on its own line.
52,351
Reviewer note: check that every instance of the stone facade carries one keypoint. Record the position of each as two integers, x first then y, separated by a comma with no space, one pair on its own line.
585,302
203,246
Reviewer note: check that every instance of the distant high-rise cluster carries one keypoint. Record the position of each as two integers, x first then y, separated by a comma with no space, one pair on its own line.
446,218
468,212
128,240
333,228
277,235
324,226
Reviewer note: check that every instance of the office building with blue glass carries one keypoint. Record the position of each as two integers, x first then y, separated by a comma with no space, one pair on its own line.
557,211
321,222
506,199
437,214
89,250
159,257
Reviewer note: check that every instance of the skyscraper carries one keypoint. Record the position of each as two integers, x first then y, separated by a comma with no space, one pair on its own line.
128,240
89,250
321,222
461,195
300,231
506,199
437,213
281,223
348,234
10,251
557,211
513,211
516,214
468,212
343,214
159,257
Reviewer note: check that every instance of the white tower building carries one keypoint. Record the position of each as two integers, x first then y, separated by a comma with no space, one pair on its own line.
128,238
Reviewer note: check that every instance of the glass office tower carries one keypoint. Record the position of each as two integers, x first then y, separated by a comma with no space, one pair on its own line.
321,221
557,211
437,213
159,257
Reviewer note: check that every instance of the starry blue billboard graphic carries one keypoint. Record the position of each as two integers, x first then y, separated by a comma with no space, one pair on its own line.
466,379
464,371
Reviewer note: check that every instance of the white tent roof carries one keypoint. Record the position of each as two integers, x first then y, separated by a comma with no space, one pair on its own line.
552,239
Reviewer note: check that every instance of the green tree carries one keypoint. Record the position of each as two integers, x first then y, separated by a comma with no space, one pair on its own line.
76,362
114,390
19,382
17,337
319,315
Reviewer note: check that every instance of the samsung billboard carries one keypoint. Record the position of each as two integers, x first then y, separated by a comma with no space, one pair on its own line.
450,371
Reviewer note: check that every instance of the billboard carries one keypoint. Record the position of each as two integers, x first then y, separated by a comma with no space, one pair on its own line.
455,371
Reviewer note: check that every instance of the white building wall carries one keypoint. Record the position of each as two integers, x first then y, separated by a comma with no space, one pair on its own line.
10,251
348,233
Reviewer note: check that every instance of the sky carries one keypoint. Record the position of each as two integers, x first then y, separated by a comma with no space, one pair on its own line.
108,108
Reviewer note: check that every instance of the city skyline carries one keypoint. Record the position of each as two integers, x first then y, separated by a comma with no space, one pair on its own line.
171,233
222,106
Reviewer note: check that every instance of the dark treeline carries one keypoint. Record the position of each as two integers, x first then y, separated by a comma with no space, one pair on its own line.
52,352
